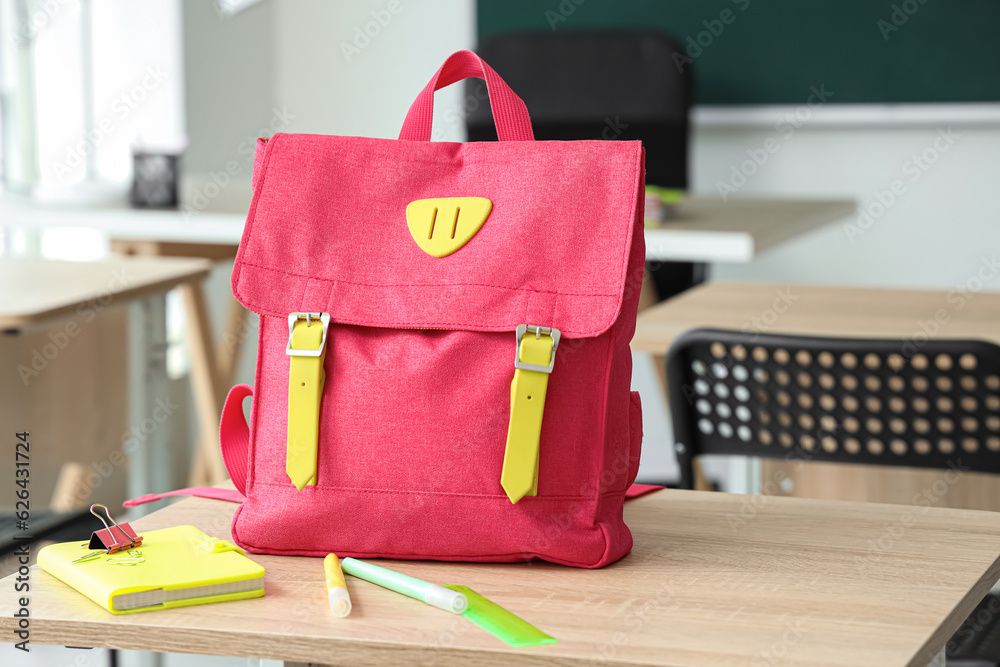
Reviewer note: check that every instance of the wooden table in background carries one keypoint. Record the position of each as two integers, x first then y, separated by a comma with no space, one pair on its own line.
34,293
212,232
838,312
794,582
708,229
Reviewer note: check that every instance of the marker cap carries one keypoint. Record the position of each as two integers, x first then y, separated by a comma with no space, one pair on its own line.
340,602
449,600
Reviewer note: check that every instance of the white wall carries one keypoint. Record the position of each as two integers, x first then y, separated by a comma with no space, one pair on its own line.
229,72
934,235
339,79
301,66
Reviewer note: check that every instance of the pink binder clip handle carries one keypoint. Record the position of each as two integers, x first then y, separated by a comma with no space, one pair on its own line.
115,536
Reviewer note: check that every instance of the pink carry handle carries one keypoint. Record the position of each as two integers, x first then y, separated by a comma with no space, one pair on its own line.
509,112
234,436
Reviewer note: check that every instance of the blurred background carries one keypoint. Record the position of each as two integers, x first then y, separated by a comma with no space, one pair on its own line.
850,144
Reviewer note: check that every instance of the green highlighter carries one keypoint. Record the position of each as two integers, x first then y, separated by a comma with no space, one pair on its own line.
499,622
457,599
424,591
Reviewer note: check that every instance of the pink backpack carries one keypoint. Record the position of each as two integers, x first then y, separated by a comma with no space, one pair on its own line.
443,365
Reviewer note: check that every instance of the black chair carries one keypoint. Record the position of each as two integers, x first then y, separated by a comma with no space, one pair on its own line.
586,84
933,404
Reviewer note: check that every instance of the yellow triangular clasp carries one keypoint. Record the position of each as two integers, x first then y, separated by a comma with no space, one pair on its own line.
443,225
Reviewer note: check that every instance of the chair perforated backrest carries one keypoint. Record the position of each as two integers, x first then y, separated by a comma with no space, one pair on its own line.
926,404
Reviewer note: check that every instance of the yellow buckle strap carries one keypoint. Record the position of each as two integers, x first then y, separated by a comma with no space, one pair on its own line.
307,350
532,366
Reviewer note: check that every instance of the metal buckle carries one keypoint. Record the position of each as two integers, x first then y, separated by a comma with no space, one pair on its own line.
324,320
538,331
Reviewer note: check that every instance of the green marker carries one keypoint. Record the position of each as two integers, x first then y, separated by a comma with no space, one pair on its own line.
432,594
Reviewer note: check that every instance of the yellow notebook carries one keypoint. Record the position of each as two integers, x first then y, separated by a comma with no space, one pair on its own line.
177,567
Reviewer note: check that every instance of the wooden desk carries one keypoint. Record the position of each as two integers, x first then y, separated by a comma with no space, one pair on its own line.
210,232
842,312
711,230
816,311
35,293
713,579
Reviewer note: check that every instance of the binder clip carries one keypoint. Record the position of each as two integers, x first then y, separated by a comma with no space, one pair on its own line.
115,537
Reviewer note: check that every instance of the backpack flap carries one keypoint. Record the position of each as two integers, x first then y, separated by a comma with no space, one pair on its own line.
328,232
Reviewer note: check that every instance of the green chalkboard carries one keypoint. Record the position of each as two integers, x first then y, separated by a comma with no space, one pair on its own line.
775,51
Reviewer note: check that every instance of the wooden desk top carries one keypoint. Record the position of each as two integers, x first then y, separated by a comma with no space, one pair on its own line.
851,312
37,290
713,579
711,230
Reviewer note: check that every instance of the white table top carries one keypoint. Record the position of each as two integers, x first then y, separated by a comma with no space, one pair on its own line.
122,222
705,230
